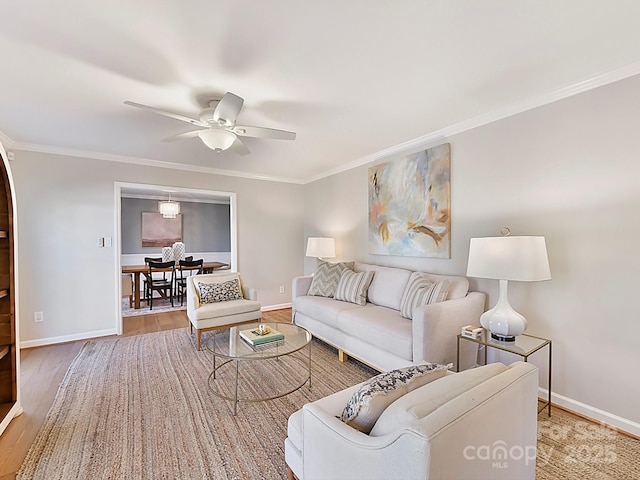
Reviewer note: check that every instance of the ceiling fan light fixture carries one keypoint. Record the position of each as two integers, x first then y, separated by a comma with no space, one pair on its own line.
217,140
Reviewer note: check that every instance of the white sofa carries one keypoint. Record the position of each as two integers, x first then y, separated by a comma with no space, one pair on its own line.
223,314
377,334
478,424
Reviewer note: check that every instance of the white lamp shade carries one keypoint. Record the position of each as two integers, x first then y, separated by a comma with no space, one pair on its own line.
169,209
321,247
521,259
217,139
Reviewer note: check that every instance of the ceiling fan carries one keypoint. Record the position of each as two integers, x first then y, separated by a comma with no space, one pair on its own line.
218,129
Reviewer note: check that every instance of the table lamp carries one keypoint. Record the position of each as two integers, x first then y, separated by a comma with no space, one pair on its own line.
321,247
519,258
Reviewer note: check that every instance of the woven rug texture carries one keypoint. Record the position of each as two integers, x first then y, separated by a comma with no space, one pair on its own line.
140,408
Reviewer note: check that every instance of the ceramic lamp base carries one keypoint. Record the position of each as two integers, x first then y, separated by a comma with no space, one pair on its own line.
503,321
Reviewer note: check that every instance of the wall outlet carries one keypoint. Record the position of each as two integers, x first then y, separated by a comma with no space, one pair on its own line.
38,317
281,288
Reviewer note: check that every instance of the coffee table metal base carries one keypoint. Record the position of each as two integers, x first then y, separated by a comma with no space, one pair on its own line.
229,352
236,399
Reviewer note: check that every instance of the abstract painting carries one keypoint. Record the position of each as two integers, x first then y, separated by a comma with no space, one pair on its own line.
409,205
158,231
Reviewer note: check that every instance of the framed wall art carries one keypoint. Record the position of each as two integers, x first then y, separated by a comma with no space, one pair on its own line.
409,205
158,231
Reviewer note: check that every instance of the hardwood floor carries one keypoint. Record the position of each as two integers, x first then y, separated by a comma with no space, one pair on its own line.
43,368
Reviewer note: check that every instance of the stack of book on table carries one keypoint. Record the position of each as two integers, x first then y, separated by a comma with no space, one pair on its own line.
257,340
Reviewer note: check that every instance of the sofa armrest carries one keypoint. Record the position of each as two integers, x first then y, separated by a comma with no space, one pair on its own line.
193,299
250,293
435,327
300,286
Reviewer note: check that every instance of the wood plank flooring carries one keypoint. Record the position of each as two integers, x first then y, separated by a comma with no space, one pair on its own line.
43,368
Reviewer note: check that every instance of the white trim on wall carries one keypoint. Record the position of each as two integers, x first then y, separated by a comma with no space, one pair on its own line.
68,338
592,413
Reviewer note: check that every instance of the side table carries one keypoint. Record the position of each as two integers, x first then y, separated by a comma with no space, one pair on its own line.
524,345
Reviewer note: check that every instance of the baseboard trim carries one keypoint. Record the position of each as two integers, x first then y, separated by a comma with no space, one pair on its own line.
68,338
623,424
280,306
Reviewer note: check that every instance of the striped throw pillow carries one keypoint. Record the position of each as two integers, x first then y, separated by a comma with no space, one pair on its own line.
353,286
420,291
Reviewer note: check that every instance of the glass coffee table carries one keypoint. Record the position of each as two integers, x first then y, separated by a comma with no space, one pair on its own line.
261,373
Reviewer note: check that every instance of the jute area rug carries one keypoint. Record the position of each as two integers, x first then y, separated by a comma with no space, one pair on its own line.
140,408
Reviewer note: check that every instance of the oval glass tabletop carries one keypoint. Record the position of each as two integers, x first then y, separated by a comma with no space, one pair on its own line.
230,344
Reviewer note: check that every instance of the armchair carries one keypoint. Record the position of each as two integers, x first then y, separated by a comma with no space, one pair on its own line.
477,424
224,307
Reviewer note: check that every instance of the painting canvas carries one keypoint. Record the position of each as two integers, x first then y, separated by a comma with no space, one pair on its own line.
158,231
409,205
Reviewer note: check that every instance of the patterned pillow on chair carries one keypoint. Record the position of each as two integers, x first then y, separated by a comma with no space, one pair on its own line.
377,393
220,292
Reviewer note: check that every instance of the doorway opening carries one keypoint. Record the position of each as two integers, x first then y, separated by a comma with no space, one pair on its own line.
199,209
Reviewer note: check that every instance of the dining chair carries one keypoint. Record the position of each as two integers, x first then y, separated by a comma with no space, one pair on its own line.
147,279
194,267
164,284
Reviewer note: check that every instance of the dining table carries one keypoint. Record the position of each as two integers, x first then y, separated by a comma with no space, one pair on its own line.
136,270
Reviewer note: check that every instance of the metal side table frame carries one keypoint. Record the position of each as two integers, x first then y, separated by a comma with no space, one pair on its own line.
524,346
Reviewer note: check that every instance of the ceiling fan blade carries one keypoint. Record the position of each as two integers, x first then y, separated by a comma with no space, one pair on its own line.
239,147
228,109
261,132
177,116
182,136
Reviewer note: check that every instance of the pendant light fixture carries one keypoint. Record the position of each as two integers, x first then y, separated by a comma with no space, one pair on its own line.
168,208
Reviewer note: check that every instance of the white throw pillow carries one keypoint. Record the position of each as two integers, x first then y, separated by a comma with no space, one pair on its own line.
421,290
353,286
376,394
326,277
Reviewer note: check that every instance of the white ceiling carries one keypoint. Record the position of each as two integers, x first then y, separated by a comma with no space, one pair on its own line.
353,78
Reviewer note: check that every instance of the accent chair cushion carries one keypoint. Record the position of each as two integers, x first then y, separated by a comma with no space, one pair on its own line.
425,400
353,286
377,393
420,291
220,292
326,277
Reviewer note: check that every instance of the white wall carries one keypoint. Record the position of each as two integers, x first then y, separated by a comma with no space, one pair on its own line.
66,203
568,171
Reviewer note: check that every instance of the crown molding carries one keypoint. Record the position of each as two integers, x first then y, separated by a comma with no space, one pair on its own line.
70,152
439,136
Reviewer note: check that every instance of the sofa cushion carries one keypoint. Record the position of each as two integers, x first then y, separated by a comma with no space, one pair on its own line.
422,401
219,292
379,326
376,394
353,286
223,309
325,310
387,286
326,277
422,291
